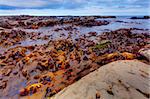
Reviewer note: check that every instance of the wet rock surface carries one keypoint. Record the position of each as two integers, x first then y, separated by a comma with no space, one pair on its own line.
47,54
116,80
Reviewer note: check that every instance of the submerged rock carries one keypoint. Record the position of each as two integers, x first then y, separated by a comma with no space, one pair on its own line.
117,80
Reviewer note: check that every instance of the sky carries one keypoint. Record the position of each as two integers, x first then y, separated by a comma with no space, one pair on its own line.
74,7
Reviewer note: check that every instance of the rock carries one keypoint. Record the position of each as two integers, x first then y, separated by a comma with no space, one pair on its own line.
3,84
92,33
144,17
5,24
127,79
145,52
6,71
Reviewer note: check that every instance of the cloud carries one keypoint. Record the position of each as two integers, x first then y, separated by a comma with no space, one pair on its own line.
23,3
42,4
71,4
85,6
78,12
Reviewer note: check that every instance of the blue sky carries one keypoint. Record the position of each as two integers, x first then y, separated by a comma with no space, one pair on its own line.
74,7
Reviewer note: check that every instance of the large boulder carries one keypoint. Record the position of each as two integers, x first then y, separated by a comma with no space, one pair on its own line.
128,79
145,52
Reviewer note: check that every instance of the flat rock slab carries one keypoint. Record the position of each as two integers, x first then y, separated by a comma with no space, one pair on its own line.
127,79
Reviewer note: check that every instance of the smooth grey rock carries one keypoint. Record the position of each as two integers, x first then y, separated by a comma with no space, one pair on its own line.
125,79
145,52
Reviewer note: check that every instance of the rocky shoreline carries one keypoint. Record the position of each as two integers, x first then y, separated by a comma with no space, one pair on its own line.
32,62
